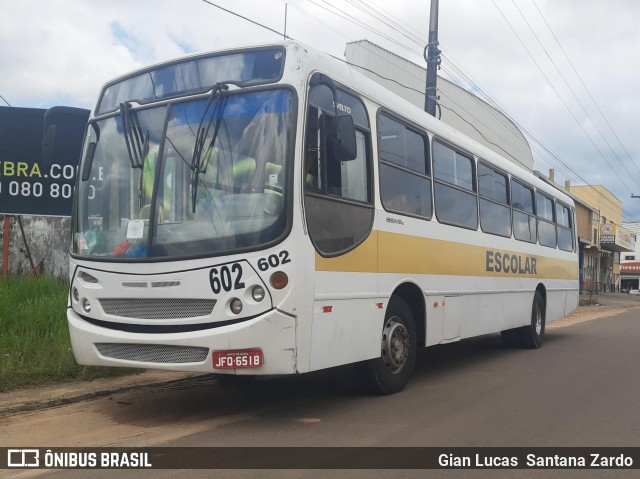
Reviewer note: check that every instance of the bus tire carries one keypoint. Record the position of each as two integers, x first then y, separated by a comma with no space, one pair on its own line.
531,336
390,373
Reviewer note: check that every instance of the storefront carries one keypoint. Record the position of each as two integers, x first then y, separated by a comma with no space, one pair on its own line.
614,240
630,276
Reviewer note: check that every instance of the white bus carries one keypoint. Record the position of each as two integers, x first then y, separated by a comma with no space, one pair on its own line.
269,210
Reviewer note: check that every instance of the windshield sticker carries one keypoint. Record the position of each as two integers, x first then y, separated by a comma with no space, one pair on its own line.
135,229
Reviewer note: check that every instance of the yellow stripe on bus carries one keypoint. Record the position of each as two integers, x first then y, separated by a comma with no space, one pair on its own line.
416,255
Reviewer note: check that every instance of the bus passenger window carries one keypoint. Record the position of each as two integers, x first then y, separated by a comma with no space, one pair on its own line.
495,213
405,186
546,227
456,200
524,222
564,227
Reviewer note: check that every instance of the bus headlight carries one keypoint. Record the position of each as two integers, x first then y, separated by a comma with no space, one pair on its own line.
75,294
236,306
257,293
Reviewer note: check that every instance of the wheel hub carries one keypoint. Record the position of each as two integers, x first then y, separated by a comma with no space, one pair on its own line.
538,321
395,345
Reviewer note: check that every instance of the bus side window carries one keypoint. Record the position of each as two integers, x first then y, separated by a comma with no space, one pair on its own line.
323,171
338,197
405,186
456,199
524,222
564,227
495,213
546,226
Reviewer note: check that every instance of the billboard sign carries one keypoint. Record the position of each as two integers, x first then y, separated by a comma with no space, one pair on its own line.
30,185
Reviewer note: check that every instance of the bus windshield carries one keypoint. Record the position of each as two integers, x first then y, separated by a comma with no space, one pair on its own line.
197,177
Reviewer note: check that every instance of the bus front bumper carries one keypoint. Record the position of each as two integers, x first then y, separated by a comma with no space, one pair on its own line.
273,332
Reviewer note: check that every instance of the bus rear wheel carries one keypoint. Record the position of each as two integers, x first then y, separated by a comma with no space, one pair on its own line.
390,373
530,336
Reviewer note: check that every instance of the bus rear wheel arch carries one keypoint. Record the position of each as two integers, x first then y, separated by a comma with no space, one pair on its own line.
532,335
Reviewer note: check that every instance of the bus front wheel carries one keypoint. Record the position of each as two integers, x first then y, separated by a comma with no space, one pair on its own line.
530,336
390,373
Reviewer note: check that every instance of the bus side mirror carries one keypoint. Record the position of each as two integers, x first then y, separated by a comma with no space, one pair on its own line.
344,139
64,129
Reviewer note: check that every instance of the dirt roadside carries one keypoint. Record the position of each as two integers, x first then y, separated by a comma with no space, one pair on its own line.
42,397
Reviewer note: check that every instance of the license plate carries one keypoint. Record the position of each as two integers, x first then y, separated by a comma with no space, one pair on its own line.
238,359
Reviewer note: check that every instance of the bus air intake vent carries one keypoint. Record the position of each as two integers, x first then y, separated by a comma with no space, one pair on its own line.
157,308
153,353
134,284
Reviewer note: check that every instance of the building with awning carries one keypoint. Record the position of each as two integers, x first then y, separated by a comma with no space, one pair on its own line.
630,262
612,240
616,238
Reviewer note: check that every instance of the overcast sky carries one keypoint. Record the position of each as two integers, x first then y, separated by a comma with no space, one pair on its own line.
60,52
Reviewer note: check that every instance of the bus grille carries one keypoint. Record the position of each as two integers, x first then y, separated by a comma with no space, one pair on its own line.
153,353
157,308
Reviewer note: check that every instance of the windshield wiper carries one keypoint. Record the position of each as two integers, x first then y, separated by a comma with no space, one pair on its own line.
137,143
203,132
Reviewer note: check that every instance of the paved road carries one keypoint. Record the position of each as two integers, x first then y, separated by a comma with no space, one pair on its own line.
581,389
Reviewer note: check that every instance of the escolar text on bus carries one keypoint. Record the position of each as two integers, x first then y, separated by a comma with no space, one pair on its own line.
510,263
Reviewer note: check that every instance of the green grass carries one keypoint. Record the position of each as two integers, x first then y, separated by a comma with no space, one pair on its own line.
34,339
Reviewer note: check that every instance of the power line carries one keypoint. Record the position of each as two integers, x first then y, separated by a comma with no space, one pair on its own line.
560,97
570,88
3,99
584,85
473,82
540,151
416,38
350,18
384,17
318,19
247,19
512,125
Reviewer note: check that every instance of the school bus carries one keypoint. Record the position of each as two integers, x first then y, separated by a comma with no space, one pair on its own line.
268,210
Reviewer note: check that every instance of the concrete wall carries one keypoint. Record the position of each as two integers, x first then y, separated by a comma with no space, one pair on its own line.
47,239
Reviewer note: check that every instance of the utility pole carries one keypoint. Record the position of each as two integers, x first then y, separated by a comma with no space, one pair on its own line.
284,35
432,56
